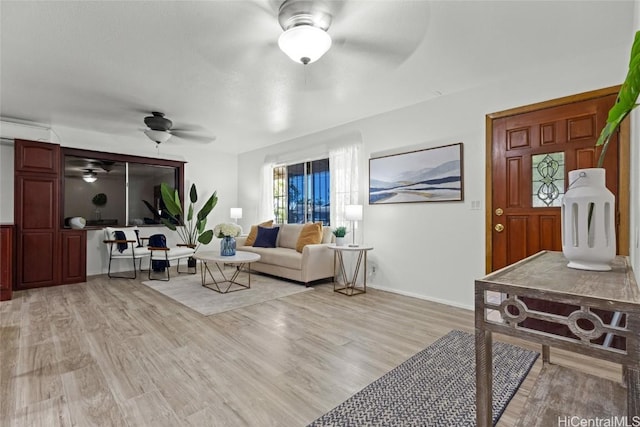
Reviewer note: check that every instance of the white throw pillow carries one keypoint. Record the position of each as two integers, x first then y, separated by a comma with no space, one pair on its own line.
327,234
288,235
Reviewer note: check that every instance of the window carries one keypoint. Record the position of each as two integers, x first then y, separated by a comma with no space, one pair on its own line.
301,192
547,177
126,181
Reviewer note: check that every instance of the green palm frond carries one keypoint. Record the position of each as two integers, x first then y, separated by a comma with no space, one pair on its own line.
626,101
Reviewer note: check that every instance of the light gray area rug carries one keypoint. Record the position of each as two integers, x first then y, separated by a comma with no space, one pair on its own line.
188,290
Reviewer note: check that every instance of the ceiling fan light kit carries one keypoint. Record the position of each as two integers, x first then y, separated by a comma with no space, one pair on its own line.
304,43
157,136
90,176
305,24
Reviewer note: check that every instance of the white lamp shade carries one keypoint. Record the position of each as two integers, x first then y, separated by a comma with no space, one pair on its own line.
157,136
304,43
353,212
236,213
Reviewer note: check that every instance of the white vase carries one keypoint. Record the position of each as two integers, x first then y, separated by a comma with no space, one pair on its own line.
340,241
588,243
77,222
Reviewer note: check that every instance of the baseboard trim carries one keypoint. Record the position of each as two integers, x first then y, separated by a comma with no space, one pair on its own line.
423,297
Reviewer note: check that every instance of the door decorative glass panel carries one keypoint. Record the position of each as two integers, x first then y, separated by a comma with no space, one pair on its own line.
547,179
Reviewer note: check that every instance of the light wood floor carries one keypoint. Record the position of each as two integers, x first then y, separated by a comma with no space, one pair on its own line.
116,353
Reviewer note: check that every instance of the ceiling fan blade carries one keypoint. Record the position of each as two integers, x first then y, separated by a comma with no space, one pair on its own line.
387,50
201,139
268,7
186,128
391,29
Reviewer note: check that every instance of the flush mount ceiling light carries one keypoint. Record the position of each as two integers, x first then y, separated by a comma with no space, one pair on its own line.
90,176
305,24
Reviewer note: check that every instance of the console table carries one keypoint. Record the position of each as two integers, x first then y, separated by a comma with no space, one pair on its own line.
545,276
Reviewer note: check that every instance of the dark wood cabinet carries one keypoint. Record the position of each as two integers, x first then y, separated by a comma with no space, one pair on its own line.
44,249
36,215
7,257
74,256
36,157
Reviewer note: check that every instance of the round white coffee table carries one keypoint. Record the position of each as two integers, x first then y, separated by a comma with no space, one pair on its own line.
239,260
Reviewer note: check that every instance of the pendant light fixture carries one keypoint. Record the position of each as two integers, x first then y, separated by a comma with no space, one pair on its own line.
305,24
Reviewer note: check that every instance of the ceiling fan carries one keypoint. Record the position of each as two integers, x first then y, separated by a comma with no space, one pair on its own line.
380,31
356,37
160,129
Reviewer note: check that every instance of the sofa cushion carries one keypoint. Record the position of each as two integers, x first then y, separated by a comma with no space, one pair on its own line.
311,234
266,237
254,232
289,235
283,257
327,234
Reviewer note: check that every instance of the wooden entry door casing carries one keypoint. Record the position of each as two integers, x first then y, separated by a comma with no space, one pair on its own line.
517,229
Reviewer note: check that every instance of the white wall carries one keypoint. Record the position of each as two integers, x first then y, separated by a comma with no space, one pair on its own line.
209,169
436,250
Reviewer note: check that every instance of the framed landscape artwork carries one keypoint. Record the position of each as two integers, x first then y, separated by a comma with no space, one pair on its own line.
429,175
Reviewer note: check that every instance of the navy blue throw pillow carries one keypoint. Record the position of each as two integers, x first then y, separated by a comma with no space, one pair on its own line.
266,237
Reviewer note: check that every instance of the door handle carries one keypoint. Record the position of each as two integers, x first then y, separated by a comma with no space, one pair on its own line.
499,228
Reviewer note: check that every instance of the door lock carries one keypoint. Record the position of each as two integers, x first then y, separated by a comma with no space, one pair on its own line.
499,212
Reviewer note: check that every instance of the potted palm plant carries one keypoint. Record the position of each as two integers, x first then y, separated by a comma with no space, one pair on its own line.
190,227
588,229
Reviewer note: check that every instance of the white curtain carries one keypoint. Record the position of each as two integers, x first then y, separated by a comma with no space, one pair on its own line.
344,163
265,205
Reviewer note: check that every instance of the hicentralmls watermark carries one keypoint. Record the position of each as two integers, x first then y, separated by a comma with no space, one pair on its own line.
576,421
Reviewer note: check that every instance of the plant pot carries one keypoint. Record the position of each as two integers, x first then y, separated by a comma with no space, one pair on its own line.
228,246
191,262
588,215
340,241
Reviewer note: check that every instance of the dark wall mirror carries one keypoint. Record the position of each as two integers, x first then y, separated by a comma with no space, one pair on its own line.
109,189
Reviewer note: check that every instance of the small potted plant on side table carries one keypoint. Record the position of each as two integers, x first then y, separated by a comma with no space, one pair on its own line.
340,233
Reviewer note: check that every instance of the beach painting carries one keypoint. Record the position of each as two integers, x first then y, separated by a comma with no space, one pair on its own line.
429,175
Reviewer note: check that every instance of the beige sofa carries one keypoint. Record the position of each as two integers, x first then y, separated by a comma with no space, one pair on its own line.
315,262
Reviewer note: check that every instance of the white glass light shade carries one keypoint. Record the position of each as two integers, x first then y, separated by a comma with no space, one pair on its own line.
157,136
236,213
304,43
90,177
353,212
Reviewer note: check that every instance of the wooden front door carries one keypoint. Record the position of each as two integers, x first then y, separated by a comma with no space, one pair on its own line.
531,150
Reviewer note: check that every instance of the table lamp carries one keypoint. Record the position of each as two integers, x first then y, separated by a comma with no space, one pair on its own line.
353,213
235,214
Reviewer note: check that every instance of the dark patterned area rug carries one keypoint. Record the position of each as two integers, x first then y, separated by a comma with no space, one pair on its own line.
436,387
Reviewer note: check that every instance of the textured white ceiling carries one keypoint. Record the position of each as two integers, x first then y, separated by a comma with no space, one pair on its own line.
214,66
